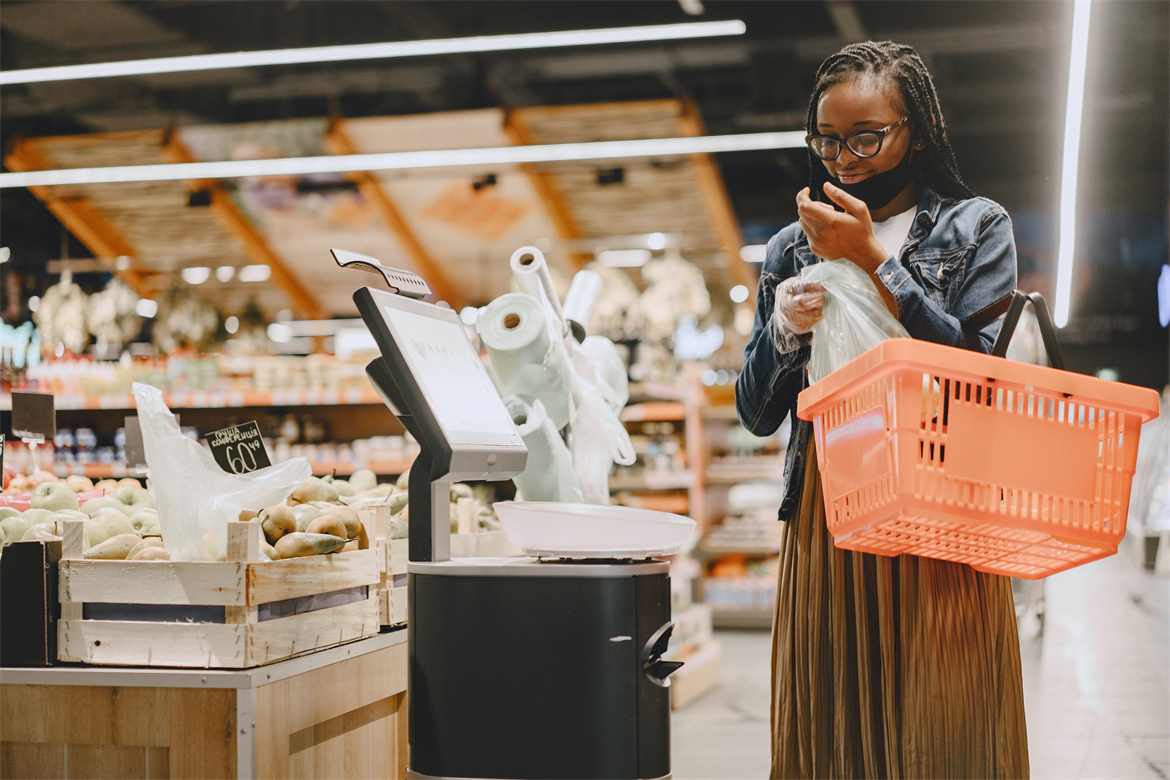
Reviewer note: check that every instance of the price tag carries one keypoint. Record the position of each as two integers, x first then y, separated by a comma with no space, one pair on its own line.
135,450
33,416
239,449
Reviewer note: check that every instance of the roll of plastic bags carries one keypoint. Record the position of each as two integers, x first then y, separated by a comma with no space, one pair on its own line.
855,317
549,474
196,498
525,359
532,276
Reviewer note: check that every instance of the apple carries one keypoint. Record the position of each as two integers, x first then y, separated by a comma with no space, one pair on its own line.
144,519
104,502
34,516
41,532
14,527
8,511
106,485
79,483
104,524
53,496
136,496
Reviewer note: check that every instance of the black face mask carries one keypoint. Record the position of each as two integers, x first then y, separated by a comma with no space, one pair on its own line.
878,190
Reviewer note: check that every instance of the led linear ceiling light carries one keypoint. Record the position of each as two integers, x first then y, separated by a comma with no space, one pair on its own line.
374,51
1074,108
402,161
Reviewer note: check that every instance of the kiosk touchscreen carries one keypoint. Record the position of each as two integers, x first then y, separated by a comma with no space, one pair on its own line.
433,380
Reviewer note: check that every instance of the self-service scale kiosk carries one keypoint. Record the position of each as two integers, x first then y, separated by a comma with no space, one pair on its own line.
532,667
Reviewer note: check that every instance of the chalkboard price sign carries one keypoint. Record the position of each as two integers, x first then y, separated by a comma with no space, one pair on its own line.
239,449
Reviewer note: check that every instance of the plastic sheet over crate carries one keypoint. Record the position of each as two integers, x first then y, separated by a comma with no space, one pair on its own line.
945,453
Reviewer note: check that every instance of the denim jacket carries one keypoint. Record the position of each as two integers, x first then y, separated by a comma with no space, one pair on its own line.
950,281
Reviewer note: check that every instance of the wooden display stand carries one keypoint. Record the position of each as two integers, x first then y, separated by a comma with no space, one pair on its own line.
336,713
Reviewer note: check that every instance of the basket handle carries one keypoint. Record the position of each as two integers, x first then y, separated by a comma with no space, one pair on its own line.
1047,328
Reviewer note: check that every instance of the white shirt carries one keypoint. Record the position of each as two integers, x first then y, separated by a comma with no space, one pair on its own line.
892,233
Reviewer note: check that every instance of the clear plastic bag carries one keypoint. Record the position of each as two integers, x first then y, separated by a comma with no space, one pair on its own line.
855,317
195,497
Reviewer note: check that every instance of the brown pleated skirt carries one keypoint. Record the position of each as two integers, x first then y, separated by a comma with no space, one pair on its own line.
890,667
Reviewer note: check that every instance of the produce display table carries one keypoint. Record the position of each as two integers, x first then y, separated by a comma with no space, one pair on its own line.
336,713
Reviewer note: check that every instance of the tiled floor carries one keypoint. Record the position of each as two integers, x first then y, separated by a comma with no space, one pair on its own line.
1096,685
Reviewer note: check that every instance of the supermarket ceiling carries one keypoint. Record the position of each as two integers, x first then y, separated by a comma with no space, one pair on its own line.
999,68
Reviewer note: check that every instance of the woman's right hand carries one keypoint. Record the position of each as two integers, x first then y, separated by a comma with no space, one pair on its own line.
799,306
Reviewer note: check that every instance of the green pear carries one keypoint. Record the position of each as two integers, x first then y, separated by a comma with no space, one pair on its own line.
53,496
105,502
305,514
344,488
277,521
116,548
403,481
312,489
363,480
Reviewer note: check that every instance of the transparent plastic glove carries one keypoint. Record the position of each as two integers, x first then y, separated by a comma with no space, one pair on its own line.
799,305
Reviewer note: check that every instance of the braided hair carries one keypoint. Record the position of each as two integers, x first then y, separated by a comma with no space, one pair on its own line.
902,66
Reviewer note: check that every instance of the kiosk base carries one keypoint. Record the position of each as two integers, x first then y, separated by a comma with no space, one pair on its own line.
523,669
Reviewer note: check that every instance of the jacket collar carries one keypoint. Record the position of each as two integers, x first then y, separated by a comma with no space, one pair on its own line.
929,203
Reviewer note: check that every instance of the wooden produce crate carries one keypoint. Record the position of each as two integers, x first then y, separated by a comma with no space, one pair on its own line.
234,614
393,555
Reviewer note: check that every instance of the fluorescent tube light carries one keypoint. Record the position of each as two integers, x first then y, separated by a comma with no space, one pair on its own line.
374,51
195,274
1068,168
259,272
403,161
753,253
624,258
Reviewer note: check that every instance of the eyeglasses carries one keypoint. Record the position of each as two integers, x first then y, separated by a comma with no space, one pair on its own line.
867,143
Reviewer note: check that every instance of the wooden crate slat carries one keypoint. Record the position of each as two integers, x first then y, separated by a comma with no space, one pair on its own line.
296,577
212,583
273,640
131,643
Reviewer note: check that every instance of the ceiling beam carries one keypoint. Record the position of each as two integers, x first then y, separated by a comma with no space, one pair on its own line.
551,197
715,197
80,218
338,142
249,237
846,20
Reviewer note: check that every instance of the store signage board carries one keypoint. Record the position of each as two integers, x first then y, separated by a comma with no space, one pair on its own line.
239,449
34,418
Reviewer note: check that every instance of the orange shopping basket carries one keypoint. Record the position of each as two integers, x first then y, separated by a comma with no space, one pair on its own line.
941,452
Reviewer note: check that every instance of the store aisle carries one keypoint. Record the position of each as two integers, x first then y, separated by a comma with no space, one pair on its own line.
1096,685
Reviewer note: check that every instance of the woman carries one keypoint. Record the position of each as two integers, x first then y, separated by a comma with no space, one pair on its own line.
882,667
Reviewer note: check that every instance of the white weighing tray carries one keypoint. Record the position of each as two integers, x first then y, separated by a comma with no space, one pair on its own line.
564,530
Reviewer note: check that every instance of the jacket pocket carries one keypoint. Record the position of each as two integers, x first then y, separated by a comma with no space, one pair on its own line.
941,272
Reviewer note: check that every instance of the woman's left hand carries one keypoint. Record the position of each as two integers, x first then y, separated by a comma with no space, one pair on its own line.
833,234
